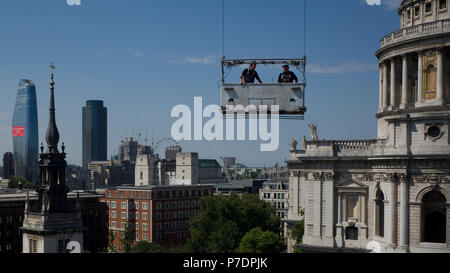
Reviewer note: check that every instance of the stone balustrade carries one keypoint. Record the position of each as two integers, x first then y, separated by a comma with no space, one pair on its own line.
413,32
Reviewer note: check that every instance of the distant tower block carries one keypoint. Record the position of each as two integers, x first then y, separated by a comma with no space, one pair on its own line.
128,150
228,162
171,152
25,132
187,170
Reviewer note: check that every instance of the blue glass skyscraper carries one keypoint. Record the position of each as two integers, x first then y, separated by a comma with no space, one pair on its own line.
25,132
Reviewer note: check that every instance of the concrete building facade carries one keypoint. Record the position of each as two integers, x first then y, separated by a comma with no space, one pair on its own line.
389,194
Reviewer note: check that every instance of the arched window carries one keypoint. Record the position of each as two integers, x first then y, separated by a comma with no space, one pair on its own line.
379,214
430,85
434,218
142,175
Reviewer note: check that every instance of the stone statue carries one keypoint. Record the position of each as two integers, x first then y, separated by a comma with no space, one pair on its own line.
313,128
304,143
293,145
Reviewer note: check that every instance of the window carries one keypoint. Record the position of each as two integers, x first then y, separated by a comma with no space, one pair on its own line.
121,194
113,214
417,11
442,4
124,205
430,82
137,236
137,215
9,219
144,216
136,205
158,227
144,226
428,7
113,224
136,225
434,218
142,176
62,245
351,233
113,204
158,216
123,225
144,206
353,207
158,206
124,215
33,245
144,237
109,194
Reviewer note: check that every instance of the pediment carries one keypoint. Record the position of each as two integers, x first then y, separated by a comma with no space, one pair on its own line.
351,183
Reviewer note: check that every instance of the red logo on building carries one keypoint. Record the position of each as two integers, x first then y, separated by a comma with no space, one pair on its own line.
18,131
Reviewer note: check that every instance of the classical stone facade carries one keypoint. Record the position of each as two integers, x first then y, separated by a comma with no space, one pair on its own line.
390,194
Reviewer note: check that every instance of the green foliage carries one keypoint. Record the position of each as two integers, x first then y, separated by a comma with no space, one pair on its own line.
179,250
224,220
299,229
127,239
112,238
15,180
258,241
146,247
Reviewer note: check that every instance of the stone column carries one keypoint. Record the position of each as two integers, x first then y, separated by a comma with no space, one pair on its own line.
392,209
385,85
404,82
404,204
381,67
440,76
420,78
339,209
339,228
393,85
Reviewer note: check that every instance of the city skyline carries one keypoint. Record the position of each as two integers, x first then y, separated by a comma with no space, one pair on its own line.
131,77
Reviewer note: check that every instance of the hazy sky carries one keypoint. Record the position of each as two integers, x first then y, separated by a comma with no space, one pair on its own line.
142,57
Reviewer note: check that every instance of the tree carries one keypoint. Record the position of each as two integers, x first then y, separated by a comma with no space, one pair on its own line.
258,241
179,250
224,220
111,245
146,247
299,229
15,180
127,239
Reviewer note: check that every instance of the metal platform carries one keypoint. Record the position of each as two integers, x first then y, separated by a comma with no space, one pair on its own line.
290,97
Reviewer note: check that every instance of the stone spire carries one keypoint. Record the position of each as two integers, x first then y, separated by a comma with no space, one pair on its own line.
52,134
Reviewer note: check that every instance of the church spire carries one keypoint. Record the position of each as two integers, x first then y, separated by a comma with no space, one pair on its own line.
52,135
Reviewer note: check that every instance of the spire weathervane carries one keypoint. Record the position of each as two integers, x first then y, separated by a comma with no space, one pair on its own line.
52,135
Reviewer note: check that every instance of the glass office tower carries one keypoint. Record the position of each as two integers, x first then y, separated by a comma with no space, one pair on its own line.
94,132
25,132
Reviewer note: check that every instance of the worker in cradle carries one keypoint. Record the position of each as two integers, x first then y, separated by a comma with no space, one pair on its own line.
249,75
287,76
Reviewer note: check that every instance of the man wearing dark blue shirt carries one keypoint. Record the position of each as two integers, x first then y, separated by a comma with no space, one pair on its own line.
287,76
249,75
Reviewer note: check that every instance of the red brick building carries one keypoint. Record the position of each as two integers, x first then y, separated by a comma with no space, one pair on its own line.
158,214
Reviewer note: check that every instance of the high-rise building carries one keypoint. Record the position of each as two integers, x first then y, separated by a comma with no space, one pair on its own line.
128,150
25,132
94,132
8,165
171,152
